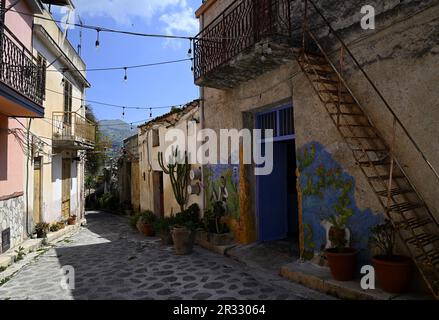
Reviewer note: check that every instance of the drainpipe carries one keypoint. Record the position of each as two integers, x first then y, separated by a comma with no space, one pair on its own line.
202,123
28,155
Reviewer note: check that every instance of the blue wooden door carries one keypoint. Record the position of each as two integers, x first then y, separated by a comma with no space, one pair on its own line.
273,198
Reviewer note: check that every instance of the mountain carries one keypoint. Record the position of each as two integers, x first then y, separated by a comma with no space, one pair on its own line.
117,131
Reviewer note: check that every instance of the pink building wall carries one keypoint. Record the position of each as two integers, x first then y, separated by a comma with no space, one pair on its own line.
11,159
11,153
19,24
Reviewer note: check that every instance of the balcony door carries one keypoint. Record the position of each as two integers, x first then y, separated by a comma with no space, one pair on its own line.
67,125
66,187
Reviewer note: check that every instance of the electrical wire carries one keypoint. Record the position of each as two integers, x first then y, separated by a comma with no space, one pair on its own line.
103,29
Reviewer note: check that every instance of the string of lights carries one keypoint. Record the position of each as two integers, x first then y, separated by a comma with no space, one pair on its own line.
124,68
115,105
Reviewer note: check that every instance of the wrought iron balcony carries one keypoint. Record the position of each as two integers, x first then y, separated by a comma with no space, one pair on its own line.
70,130
247,38
22,79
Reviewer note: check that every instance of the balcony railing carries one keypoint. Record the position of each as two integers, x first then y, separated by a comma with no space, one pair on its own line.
243,24
72,129
19,68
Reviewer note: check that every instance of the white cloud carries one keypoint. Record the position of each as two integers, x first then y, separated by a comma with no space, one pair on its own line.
176,15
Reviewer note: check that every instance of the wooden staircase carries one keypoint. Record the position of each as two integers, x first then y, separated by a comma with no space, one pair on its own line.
403,205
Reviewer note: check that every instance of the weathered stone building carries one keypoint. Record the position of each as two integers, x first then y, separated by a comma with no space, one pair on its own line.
341,100
156,192
128,174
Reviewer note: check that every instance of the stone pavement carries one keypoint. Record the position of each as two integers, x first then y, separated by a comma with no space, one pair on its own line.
113,261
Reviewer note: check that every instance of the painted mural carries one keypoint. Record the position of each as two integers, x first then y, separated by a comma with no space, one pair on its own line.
221,183
328,192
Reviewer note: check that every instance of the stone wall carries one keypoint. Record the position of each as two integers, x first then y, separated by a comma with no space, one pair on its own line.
401,57
12,215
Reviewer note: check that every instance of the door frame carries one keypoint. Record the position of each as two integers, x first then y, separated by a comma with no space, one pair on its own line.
38,161
69,161
278,138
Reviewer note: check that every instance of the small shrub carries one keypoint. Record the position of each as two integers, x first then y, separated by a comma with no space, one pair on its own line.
133,219
147,217
20,253
42,228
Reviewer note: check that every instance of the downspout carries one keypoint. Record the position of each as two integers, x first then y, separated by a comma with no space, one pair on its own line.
28,155
202,123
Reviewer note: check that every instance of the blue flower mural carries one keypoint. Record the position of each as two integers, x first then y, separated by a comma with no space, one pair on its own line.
328,191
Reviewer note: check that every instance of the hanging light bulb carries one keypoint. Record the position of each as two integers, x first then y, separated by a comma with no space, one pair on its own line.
131,127
189,52
123,113
125,78
150,112
97,39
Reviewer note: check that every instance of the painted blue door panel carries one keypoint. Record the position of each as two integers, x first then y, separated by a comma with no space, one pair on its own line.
272,202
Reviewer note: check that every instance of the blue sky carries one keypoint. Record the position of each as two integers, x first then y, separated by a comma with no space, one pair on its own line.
146,87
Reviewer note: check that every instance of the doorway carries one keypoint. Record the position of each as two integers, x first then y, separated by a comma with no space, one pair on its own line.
37,190
66,187
159,203
277,209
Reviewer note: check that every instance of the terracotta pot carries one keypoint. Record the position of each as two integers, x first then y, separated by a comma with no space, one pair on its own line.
393,274
145,228
166,238
71,221
183,240
342,263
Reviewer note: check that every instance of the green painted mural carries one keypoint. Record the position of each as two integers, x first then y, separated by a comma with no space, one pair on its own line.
221,183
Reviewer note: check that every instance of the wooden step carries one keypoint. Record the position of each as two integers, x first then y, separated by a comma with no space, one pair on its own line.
326,81
423,239
385,177
355,125
375,163
432,255
369,150
345,103
414,223
395,192
335,92
362,137
406,206
325,74
347,114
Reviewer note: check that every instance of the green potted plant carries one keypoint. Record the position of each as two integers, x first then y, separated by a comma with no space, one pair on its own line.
342,260
42,229
393,272
145,223
163,227
213,222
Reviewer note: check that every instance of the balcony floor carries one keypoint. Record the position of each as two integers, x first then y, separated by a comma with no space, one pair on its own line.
263,57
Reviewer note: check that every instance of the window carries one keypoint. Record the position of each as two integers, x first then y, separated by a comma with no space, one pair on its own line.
67,102
42,65
155,138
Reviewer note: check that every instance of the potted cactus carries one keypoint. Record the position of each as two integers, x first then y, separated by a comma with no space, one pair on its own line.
393,272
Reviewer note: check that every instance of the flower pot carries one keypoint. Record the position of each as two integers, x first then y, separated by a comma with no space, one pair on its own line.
41,234
71,221
145,228
183,240
342,263
166,238
393,274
